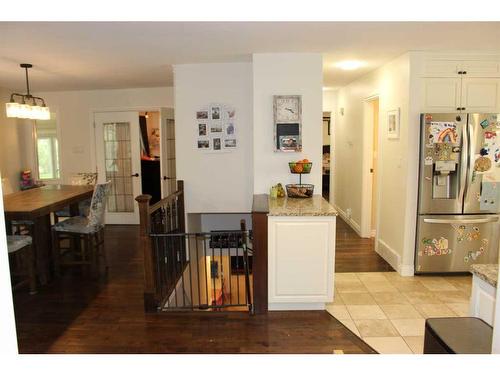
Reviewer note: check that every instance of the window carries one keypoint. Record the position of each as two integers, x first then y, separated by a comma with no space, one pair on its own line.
47,149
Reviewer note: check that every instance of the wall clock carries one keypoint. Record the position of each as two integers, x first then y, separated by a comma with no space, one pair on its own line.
287,123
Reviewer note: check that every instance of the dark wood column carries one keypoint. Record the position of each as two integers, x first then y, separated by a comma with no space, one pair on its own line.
260,209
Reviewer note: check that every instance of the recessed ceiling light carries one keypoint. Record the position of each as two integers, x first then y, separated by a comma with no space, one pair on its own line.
349,64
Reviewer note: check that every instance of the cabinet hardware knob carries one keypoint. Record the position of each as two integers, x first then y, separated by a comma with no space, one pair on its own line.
464,72
459,72
463,108
134,175
458,108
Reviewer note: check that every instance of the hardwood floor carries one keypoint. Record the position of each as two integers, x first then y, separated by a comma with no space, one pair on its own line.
79,315
356,254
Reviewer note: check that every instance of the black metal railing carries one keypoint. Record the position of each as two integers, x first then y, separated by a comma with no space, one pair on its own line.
202,271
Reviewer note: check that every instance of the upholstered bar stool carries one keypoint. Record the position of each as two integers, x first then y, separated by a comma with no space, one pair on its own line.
19,227
84,206
19,248
89,230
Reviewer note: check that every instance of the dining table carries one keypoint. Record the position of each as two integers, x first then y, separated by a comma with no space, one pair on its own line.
35,206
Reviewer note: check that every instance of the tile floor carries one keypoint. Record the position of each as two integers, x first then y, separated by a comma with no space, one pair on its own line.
388,311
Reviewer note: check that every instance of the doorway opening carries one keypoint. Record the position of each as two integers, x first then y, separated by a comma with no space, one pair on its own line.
374,168
325,186
135,151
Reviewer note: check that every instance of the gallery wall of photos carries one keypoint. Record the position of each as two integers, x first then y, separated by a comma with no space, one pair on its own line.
215,126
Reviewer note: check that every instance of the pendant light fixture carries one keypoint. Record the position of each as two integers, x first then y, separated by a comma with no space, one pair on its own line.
29,106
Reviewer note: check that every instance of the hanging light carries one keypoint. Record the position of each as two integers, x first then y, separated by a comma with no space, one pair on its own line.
28,107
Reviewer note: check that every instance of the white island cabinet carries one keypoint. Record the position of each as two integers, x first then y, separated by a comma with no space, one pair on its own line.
301,253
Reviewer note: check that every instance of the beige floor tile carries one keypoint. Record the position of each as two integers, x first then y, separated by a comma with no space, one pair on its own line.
354,286
418,297
409,327
410,286
350,326
365,312
461,309
400,311
338,311
375,328
371,276
390,298
346,276
416,343
388,345
358,299
379,286
337,298
453,297
438,284
435,310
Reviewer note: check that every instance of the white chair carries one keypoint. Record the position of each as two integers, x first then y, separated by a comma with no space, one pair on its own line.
89,229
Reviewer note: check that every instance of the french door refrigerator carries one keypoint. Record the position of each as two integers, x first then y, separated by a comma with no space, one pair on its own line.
459,192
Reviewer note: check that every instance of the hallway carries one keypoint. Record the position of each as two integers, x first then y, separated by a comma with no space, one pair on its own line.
356,254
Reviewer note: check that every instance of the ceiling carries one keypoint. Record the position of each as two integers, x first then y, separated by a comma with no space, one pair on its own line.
98,55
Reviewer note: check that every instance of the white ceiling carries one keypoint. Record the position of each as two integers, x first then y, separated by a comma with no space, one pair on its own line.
78,56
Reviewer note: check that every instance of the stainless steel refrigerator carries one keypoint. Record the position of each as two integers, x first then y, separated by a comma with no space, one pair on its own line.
459,192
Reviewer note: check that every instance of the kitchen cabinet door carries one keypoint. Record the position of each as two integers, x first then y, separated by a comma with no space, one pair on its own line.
441,94
301,262
441,68
481,94
489,69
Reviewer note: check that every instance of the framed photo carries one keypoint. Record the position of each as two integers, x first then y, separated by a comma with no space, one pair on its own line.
289,142
216,144
230,113
393,124
202,115
230,129
230,143
215,113
203,144
216,128
202,130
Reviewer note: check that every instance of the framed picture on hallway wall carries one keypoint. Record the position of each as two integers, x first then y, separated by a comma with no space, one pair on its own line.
393,124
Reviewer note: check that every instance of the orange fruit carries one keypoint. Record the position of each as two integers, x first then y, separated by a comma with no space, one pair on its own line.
299,168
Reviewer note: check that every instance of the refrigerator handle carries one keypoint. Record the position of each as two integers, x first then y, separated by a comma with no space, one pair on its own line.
471,152
462,221
463,163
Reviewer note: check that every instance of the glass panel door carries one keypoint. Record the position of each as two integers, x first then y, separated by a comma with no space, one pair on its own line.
118,161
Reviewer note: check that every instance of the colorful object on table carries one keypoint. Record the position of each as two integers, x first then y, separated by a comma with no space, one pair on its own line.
277,191
484,124
26,182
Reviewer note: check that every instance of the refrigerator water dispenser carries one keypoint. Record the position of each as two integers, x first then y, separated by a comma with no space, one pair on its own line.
445,181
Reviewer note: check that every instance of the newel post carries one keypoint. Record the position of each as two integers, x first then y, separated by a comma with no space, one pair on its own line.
180,207
145,243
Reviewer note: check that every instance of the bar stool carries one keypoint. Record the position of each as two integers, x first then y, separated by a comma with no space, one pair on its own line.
19,247
88,229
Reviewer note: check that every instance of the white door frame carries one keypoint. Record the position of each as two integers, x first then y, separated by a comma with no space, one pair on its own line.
366,197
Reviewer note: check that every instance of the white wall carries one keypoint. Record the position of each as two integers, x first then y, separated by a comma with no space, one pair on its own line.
11,155
74,113
214,182
211,222
353,144
286,74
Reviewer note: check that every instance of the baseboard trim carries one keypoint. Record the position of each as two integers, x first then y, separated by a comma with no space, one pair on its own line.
355,226
296,306
393,258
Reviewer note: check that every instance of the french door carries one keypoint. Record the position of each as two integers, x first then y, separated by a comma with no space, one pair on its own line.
168,172
117,140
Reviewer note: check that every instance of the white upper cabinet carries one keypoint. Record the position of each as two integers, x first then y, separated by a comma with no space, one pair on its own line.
454,68
441,68
480,94
441,94
480,68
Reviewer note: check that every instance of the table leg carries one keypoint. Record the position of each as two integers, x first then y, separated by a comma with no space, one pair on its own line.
42,245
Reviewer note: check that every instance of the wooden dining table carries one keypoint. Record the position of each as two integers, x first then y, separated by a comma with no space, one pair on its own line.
36,205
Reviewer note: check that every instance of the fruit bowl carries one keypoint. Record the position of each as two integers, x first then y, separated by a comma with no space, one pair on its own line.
299,190
300,167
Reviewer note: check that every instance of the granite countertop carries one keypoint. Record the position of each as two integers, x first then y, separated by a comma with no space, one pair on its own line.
487,272
314,206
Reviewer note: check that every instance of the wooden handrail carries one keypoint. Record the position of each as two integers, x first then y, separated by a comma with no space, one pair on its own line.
152,292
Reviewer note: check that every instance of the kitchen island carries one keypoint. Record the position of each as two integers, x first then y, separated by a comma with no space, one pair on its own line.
300,252
484,291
